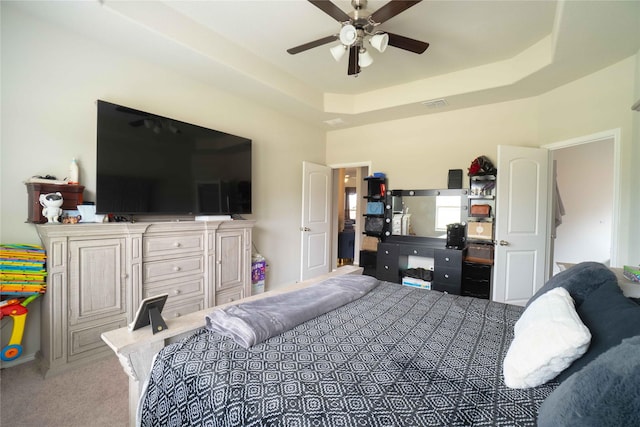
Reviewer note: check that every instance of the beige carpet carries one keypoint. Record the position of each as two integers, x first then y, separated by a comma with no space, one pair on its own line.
95,395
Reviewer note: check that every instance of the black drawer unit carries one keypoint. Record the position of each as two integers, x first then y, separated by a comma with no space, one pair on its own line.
476,280
387,267
368,262
447,274
415,250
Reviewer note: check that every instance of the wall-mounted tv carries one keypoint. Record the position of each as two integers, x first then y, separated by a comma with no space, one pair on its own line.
153,165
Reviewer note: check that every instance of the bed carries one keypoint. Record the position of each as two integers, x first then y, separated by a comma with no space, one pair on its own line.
394,356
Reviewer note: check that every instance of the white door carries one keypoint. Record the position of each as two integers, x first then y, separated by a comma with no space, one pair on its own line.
521,223
316,220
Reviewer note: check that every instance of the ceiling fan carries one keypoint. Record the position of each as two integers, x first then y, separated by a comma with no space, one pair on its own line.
359,26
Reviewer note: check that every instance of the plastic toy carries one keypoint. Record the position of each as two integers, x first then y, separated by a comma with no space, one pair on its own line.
52,203
17,310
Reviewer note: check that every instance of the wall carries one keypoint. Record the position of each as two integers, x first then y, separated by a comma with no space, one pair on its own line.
598,102
417,152
50,81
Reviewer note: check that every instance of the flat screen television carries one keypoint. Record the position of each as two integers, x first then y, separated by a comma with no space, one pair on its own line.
153,165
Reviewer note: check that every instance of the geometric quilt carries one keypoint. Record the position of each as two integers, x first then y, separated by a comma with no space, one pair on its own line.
398,356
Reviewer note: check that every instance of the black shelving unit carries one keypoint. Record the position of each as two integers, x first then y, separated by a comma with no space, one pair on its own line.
478,263
376,222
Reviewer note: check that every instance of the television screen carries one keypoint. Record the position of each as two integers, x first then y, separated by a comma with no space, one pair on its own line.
149,164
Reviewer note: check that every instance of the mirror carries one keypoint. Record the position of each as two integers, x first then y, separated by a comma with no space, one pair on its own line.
426,213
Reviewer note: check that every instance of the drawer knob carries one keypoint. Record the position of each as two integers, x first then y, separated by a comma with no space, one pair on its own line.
446,276
446,259
176,244
415,251
176,291
386,252
386,267
176,268
176,314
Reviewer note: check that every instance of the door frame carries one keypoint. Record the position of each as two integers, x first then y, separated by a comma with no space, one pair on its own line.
615,135
359,208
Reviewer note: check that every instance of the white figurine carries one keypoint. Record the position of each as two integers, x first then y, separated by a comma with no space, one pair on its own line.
51,203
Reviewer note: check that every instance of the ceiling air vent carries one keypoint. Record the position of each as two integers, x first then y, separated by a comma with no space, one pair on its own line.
435,103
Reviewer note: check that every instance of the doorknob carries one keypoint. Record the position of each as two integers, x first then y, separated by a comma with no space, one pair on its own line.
503,243
305,229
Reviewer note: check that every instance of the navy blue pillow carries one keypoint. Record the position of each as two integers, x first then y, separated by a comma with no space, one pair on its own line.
610,317
579,280
606,393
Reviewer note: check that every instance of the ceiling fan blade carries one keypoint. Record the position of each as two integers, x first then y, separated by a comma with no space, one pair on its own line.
331,9
402,42
391,9
354,68
312,44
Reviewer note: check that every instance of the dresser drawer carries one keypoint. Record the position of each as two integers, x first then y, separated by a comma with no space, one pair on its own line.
415,250
172,244
172,268
447,275
172,311
447,280
229,295
387,268
447,258
86,341
184,288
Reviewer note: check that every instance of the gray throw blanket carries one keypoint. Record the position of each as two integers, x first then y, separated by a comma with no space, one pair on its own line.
253,322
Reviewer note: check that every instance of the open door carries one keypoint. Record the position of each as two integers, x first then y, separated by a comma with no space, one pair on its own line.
521,223
315,229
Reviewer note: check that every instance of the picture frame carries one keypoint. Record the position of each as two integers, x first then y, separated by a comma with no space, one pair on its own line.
149,312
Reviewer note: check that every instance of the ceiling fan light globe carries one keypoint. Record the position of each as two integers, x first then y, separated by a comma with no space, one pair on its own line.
364,59
348,35
338,51
379,41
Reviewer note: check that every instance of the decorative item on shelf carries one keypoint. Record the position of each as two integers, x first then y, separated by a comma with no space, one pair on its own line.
71,195
52,203
481,230
480,253
481,166
480,210
74,174
70,219
456,235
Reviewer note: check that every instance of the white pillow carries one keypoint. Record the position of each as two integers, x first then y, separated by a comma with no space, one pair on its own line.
548,337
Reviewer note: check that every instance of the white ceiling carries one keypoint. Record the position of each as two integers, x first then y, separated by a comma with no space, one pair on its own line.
480,51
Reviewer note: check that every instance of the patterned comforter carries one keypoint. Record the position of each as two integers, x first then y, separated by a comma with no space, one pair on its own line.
398,356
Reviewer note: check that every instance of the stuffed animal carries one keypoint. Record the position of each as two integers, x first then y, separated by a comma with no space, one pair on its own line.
52,203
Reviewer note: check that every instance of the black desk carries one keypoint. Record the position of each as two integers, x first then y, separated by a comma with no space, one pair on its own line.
393,257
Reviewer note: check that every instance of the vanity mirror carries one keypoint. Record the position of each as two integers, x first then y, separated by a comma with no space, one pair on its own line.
426,213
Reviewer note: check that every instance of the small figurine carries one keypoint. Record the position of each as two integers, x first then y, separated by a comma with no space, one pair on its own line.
71,219
52,203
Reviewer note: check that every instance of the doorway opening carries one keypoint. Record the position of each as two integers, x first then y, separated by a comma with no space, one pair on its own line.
585,204
348,210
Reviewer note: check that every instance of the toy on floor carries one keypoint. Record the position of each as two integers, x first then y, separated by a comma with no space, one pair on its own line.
22,280
16,309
